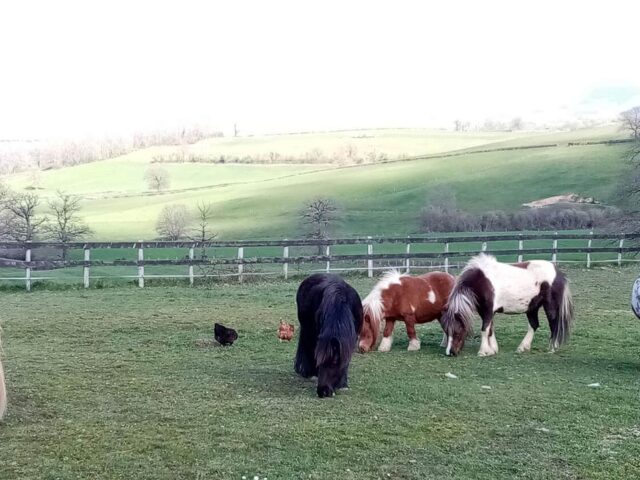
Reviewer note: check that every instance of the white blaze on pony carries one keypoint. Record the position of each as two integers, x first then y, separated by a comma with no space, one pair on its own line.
487,286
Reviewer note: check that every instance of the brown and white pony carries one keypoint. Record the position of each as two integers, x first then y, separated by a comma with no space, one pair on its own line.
487,287
395,297
3,389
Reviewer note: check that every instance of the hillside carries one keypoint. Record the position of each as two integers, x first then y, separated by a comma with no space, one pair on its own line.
262,200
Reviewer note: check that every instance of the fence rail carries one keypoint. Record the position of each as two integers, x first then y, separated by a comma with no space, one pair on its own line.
625,247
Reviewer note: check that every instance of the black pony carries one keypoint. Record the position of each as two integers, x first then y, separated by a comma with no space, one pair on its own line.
330,316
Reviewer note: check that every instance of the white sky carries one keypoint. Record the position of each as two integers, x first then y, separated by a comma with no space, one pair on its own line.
113,66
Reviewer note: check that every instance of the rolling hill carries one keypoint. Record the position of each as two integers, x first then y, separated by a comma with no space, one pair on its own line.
262,200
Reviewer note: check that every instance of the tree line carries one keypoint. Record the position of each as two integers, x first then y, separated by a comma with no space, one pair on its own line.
44,156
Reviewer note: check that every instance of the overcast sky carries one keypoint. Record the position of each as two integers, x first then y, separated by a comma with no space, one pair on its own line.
107,67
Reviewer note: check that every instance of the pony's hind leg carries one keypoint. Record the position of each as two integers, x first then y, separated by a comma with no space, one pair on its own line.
414,341
551,311
387,339
525,345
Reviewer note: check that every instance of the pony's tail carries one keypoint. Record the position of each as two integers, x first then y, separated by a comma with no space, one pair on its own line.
3,389
458,317
560,335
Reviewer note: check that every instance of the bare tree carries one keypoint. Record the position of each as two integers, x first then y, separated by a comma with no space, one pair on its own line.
319,217
172,222
461,125
629,191
202,233
157,178
515,124
630,120
66,225
22,223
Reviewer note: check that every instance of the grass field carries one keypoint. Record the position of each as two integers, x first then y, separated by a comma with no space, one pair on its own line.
264,200
109,384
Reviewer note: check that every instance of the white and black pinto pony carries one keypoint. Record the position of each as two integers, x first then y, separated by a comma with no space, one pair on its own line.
635,297
330,316
487,287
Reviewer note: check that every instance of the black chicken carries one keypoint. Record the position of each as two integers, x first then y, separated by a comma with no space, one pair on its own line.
224,336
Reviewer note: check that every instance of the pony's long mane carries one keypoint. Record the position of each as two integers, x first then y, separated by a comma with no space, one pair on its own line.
372,304
337,337
460,311
3,390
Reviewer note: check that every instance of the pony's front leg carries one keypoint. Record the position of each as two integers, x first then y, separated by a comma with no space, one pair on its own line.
493,343
343,383
534,323
486,348
305,363
387,339
414,341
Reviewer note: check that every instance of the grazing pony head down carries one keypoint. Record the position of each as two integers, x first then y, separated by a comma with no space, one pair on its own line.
330,315
487,286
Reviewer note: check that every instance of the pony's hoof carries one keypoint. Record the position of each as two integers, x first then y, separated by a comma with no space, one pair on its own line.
414,345
486,354
522,350
385,345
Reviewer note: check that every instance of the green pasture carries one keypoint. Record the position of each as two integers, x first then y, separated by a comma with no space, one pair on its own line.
113,384
263,201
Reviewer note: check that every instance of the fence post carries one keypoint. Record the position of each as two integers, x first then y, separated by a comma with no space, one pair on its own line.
240,264
446,257
285,265
554,254
87,265
588,252
408,260
27,271
370,261
191,256
620,252
327,252
484,246
520,247
141,264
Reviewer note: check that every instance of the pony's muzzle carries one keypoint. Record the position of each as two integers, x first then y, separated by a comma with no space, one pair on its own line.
325,391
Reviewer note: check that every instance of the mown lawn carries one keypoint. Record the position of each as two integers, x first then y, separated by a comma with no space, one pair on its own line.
109,383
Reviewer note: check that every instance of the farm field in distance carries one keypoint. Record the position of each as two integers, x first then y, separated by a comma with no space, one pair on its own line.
110,384
263,200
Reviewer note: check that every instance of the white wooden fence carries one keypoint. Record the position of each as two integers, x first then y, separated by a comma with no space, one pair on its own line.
367,260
